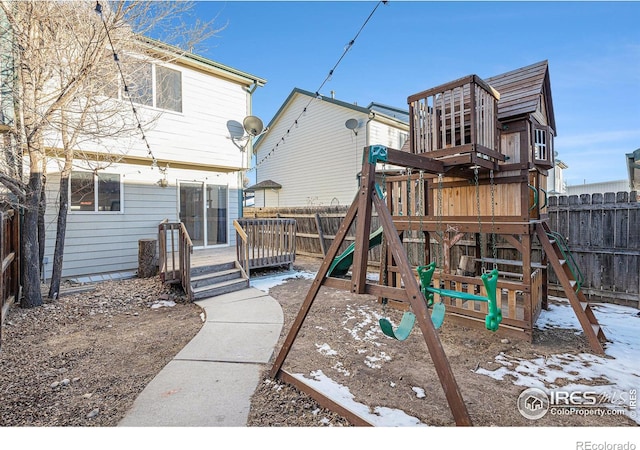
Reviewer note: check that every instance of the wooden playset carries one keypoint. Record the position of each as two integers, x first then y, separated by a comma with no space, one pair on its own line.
475,165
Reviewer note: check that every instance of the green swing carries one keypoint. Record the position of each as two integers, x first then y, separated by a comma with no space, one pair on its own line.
490,282
408,318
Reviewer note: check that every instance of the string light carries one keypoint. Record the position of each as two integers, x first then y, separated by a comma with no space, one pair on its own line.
116,59
318,96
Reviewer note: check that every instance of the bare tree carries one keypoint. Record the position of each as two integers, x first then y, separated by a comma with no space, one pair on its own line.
60,54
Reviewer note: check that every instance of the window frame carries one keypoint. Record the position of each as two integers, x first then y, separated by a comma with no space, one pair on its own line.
96,193
154,87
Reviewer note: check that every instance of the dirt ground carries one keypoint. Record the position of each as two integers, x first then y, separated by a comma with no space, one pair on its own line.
341,338
83,359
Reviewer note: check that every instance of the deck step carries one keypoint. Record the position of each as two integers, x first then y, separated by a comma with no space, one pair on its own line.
221,267
223,287
206,279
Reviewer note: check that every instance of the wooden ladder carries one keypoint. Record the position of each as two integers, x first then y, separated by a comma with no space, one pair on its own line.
567,278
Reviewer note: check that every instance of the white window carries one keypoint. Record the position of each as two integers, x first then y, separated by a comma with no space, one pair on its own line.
541,149
168,89
95,192
153,85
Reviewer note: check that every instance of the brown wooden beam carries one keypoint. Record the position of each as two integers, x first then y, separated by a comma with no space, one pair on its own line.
420,161
315,288
463,225
363,225
379,290
323,400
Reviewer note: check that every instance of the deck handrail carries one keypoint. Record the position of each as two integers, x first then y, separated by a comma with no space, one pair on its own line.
265,242
173,239
242,249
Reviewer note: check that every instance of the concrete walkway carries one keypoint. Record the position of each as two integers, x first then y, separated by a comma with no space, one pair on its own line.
211,381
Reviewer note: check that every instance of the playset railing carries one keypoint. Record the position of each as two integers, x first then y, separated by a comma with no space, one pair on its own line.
518,312
455,118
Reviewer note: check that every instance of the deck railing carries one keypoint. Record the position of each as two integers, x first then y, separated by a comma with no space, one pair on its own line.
175,249
454,118
10,261
265,243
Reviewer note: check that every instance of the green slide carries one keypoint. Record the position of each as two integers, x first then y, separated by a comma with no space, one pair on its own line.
340,265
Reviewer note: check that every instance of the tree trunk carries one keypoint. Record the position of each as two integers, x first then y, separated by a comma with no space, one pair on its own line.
42,208
32,295
58,255
147,258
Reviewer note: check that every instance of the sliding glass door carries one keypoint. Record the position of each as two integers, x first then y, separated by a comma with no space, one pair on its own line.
203,210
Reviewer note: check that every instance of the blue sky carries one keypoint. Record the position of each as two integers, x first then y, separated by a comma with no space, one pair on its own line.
593,49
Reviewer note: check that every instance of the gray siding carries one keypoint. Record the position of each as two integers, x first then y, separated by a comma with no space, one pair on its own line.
108,242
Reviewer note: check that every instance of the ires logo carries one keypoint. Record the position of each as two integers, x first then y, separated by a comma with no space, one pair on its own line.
534,403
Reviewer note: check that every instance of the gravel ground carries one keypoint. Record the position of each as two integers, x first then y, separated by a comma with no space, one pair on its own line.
83,359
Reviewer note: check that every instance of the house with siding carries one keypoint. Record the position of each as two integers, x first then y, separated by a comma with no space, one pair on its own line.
185,169
309,157
311,154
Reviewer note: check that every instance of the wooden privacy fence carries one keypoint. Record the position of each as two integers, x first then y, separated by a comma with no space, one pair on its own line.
174,260
603,233
265,243
315,227
10,260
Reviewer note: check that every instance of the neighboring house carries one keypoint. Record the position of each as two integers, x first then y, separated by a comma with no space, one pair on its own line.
631,184
196,177
312,151
555,181
598,188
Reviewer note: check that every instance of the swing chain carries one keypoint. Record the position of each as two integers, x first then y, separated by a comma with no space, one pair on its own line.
477,185
420,211
493,222
439,232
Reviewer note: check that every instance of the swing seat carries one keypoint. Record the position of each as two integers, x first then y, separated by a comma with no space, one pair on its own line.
404,329
437,316
490,281
408,320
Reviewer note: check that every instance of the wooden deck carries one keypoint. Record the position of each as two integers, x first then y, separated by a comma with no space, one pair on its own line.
212,256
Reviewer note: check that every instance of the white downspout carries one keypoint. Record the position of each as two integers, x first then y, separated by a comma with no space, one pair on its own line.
248,149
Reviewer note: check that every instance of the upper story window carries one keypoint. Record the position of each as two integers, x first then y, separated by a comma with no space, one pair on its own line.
168,89
95,192
153,85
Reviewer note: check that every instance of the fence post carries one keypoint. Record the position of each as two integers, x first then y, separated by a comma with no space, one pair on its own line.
323,245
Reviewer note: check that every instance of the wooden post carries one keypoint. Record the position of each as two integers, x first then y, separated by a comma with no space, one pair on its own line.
323,246
147,258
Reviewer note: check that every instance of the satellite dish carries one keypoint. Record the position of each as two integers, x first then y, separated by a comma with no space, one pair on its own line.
351,124
235,129
253,125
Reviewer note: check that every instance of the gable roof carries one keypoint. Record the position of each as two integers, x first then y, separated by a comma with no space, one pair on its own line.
389,112
520,91
201,63
266,184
